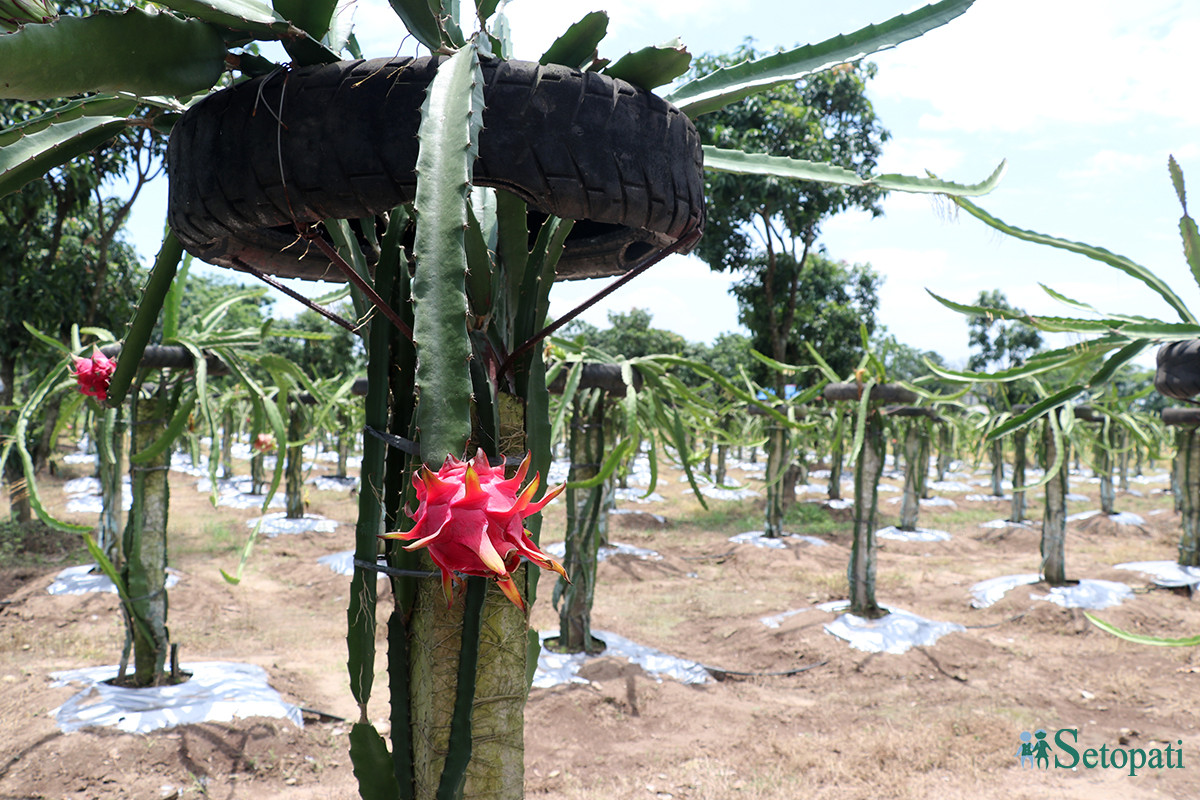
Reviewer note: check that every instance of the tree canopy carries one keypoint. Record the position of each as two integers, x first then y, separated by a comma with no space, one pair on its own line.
629,335
902,362
341,354
767,227
999,343
826,302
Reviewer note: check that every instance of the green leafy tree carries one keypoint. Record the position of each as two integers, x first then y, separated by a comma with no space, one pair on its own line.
629,335
905,363
341,353
823,302
206,288
58,265
64,262
766,227
1000,342
729,353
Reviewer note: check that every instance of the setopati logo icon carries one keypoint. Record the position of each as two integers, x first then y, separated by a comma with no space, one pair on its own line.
1037,752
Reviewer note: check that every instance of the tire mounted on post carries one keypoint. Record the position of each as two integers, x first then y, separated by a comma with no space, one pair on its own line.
251,165
1178,373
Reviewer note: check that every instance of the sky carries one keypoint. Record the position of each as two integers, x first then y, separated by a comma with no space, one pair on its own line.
1085,99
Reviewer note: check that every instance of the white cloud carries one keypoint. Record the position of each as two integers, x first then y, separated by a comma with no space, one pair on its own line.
1104,163
1012,65
913,155
682,293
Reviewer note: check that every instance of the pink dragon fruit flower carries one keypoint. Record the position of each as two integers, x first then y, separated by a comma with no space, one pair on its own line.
471,519
93,374
264,443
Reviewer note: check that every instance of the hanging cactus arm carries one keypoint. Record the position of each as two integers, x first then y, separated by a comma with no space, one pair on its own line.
31,149
533,301
56,380
361,612
1122,263
484,9
138,52
1087,307
862,412
680,442
431,22
145,318
111,572
1035,412
170,434
743,163
447,133
1117,360
1187,226
1027,370
566,399
372,764
480,271
252,16
730,84
311,16
1140,638
262,403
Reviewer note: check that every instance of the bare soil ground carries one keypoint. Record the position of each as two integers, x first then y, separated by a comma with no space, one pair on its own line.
938,721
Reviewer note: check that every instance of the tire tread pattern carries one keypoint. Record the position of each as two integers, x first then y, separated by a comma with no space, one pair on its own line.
340,141
1178,372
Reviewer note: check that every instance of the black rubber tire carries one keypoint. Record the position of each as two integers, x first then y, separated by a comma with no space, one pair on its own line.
910,411
1178,373
169,356
1181,417
339,141
881,393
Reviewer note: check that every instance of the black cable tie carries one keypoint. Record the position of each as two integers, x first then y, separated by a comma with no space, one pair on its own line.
398,442
395,573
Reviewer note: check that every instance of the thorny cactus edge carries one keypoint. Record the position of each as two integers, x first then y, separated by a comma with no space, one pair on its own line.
472,521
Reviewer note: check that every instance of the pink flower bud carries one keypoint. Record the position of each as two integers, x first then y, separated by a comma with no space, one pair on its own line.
264,443
93,374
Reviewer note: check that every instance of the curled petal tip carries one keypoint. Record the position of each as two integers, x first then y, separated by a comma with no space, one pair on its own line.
552,493
511,592
522,470
557,567
471,481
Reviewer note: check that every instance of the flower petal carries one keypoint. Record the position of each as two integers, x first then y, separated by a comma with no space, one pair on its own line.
509,587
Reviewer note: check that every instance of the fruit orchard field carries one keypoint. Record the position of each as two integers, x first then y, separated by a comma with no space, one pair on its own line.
942,720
